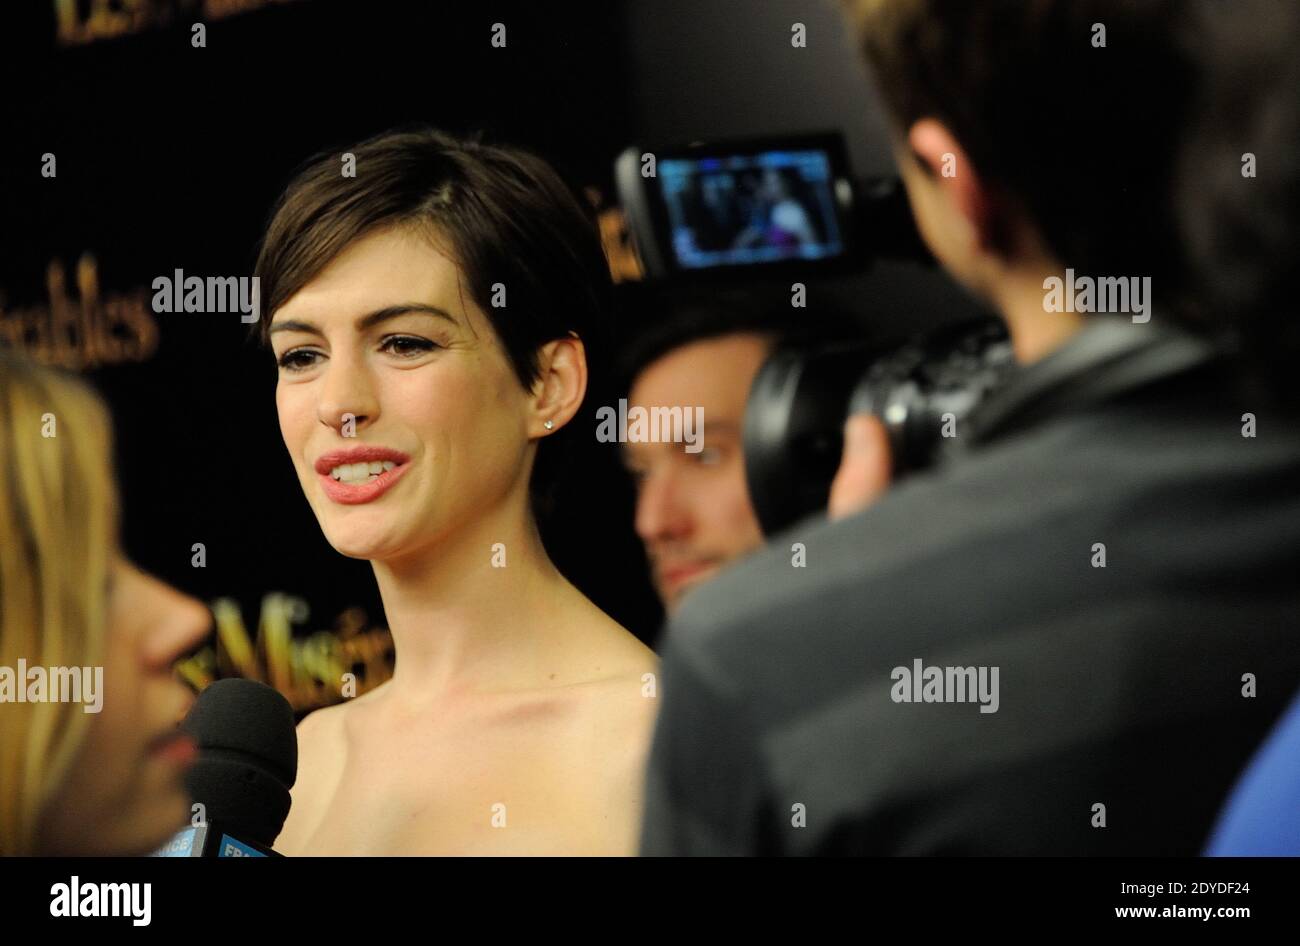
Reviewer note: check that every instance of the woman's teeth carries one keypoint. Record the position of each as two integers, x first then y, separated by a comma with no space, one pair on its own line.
361,472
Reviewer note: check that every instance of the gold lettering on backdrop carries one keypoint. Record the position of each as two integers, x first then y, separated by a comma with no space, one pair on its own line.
615,238
82,332
624,264
307,670
85,21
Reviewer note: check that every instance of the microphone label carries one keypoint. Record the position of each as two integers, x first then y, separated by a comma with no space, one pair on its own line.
181,845
232,848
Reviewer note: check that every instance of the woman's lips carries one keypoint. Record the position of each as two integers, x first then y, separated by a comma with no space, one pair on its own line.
176,748
354,494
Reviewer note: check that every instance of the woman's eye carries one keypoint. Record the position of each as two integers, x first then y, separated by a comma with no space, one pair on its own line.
298,359
709,456
406,345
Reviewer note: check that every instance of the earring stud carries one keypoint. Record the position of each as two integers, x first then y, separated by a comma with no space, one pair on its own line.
549,424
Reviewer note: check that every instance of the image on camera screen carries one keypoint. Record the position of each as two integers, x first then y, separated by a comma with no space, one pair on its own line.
755,208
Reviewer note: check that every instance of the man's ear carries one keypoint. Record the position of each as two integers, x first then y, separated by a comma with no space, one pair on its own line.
558,391
950,171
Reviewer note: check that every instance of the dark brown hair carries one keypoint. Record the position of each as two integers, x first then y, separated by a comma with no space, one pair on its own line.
1243,231
1128,157
506,216
1086,139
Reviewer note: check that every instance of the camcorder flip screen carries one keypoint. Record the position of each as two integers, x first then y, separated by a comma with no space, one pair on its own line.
724,207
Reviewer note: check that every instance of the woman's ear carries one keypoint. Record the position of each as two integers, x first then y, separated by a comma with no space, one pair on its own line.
560,388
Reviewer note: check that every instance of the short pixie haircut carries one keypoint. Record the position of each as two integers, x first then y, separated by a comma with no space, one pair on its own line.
504,216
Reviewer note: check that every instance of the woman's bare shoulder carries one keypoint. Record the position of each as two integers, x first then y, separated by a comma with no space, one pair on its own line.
612,650
321,727
323,733
619,708
622,687
320,754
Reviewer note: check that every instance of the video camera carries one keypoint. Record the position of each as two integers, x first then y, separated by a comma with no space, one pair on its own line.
760,207
774,208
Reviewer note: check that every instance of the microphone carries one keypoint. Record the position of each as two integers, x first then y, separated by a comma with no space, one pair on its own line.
247,761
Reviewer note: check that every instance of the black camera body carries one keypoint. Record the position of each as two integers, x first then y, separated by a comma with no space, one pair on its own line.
767,209
921,391
762,207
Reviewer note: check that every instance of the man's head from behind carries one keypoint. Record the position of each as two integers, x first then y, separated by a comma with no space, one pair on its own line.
1039,135
699,352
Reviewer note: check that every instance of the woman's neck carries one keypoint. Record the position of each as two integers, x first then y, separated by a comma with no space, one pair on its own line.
476,611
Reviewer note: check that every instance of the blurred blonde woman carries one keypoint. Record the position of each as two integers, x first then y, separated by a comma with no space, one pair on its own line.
101,774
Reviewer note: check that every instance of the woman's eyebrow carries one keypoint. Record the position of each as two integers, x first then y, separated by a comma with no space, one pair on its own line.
393,311
367,321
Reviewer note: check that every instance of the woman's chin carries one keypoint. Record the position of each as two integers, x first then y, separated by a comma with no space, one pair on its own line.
362,551
367,547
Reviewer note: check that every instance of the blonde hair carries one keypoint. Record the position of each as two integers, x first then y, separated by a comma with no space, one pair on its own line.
58,531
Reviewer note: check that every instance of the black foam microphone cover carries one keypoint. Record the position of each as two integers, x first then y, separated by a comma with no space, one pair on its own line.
248,758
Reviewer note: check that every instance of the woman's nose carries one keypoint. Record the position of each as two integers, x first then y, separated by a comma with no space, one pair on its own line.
347,397
177,624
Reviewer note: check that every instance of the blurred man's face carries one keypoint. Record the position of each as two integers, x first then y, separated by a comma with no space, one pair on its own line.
693,511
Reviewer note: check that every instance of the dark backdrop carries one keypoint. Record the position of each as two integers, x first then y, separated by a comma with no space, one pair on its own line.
169,157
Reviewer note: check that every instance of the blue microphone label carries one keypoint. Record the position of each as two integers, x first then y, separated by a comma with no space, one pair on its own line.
181,845
232,848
